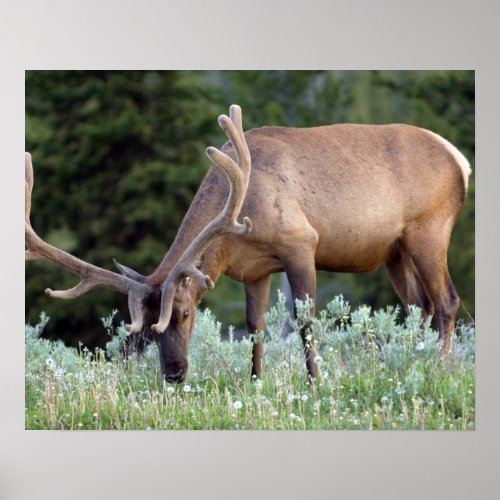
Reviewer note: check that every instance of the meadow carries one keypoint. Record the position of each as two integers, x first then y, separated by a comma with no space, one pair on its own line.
380,370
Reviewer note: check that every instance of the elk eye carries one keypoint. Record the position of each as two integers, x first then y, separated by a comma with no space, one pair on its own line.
186,314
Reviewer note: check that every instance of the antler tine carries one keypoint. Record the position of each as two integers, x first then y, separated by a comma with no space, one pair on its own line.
226,222
237,137
91,276
28,186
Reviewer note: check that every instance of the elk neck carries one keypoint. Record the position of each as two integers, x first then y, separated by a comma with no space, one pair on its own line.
214,263
207,204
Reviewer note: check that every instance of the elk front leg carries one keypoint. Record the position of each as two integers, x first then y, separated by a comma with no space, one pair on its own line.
257,298
301,273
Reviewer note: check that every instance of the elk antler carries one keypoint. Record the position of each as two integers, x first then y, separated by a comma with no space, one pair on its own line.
224,223
91,276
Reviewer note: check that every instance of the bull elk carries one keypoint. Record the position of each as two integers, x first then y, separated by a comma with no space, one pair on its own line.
342,197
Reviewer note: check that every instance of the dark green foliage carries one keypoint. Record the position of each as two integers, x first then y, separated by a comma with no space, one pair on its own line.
118,156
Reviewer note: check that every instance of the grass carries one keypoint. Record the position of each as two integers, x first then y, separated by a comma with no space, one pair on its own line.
377,373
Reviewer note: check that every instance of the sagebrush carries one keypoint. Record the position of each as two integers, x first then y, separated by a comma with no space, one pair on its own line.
377,373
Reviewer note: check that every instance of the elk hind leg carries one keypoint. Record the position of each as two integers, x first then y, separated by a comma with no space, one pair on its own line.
407,284
429,256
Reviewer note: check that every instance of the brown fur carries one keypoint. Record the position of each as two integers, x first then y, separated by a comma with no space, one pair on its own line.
339,198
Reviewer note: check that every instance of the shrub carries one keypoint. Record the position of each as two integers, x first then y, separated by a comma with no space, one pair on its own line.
377,373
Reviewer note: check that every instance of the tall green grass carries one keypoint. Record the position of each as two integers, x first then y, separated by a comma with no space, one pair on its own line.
377,373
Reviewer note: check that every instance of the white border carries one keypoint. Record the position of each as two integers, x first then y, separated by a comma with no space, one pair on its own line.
229,34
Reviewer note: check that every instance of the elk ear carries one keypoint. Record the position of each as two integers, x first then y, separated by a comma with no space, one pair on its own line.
182,287
199,262
129,273
185,283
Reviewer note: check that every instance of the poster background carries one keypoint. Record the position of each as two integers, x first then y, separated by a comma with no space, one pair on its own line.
272,34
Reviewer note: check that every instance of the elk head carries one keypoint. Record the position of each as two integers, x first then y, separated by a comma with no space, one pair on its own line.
179,290
169,311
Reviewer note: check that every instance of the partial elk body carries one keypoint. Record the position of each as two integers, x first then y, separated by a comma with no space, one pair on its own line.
339,198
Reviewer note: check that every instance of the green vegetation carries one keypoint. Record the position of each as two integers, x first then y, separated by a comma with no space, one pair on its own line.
118,156
378,373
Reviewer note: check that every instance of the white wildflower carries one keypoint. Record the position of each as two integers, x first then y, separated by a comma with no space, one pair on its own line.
186,388
51,364
237,405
